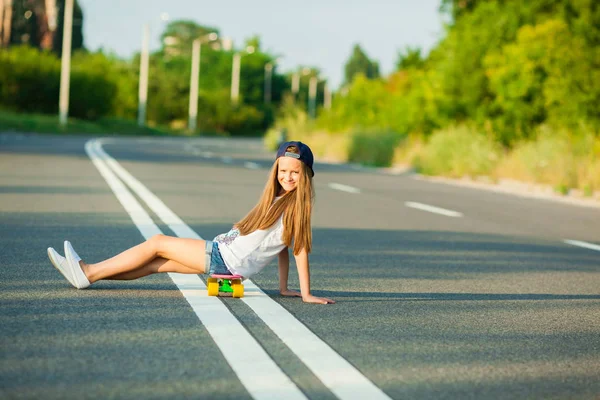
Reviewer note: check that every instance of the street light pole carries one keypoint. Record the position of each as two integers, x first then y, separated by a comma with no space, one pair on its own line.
65,64
326,97
295,85
195,79
268,79
312,97
5,21
143,84
235,75
235,78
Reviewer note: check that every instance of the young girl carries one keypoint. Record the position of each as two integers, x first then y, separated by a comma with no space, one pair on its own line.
282,216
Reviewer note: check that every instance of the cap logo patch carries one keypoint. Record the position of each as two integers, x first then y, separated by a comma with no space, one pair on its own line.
293,155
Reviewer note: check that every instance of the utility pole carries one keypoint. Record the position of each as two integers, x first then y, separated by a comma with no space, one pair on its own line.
143,85
235,74
235,78
312,97
268,79
65,64
194,79
326,97
295,86
6,12
3,7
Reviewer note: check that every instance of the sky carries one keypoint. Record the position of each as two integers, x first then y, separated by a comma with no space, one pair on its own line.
314,33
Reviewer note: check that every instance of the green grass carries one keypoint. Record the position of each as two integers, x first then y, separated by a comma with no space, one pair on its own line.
42,123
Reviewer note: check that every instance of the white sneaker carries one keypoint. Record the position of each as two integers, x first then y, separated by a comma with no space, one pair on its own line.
80,281
61,264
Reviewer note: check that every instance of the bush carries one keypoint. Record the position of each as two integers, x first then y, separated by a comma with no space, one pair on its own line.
457,152
217,114
373,148
30,82
292,122
556,158
92,95
408,150
365,105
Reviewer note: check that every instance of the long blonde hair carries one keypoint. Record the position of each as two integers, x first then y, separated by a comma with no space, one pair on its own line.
295,205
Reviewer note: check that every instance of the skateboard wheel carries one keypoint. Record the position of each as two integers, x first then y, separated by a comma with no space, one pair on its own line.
238,289
213,287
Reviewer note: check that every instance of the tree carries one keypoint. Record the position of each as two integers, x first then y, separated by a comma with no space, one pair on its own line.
24,24
530,84
178,37
253,41
31,22
359,63
457,8
509,91
77,35
410,58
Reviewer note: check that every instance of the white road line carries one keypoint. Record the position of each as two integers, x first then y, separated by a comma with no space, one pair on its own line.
344,188
337,374
138,215
191,149
583,244
256,370
328,366
251,165
437,210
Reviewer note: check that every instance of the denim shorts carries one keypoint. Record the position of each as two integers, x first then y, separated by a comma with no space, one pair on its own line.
214,263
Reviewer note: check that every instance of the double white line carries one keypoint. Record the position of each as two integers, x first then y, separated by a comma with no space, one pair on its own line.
259,374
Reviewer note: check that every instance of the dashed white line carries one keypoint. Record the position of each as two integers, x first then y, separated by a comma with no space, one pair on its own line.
583,244
251,165
436,210
344,188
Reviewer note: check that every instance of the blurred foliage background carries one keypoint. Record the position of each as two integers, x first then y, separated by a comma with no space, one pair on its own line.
510,91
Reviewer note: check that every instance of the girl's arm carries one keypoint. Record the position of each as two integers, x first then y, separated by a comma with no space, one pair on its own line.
304,277
284,268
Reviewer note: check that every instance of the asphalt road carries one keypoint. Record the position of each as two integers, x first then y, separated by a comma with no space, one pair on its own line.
480,297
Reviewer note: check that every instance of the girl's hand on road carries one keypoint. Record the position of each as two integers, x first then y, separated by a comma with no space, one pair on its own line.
317,300
290,293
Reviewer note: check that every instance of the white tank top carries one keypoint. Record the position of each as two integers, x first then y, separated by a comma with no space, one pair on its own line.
247,255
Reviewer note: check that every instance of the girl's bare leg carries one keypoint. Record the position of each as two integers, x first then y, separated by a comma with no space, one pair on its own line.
155,266
187,256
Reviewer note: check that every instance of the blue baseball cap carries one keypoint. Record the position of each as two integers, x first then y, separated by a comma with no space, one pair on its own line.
304,154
